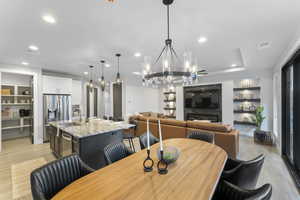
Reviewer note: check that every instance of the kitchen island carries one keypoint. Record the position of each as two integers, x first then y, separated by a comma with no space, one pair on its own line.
86,139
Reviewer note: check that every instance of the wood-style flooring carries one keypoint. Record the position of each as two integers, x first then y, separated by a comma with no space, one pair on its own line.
274,170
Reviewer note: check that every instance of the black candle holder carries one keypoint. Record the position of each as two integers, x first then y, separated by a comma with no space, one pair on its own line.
162,165
148,160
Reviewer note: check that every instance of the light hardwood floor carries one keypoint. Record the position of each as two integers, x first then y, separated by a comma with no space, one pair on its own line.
274,170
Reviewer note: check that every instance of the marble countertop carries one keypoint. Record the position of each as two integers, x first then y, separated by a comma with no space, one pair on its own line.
93,127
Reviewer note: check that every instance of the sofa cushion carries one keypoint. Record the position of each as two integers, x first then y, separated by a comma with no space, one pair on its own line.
173,122
209,126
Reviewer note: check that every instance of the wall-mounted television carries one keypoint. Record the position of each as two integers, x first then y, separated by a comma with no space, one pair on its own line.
203,97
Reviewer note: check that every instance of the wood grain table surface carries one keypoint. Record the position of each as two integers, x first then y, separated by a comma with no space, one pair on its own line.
193,176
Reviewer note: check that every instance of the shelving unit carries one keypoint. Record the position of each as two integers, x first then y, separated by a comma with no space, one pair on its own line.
246,88
170,103
16,97
249,100
246,100
244,123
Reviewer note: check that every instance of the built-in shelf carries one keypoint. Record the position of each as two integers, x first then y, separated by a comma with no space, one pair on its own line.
171,116
15,95
249,100
244,111
169,92
173,100
169,108
15,104
15,119
244,123
15,127
249,88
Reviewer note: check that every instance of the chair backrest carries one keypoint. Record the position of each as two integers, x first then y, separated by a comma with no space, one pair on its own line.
143,140
116,151
207,137
226,190
247,173
51,178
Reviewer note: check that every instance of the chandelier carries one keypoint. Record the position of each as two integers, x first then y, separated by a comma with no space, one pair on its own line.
169,61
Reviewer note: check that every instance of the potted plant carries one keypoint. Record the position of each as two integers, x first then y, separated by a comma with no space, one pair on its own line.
265,137
258,118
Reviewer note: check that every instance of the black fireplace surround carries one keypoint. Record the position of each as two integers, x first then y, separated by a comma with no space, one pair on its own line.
203,102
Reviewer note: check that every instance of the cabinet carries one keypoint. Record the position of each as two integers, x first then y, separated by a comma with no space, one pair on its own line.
57,85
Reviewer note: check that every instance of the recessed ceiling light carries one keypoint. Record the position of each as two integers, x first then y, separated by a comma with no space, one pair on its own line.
107,65
85,73
202,40
234,65
137,54
25,63
264,45
49,19
33,48
235,69
137,73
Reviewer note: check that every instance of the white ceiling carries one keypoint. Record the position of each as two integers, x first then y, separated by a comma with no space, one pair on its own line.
89,30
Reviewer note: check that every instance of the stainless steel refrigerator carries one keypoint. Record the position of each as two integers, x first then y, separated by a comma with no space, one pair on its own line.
56,108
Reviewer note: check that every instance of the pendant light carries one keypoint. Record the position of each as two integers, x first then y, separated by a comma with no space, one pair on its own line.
102,80
91,82
118,78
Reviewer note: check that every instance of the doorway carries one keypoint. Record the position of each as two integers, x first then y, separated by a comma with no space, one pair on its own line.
16,106
117,101
92,102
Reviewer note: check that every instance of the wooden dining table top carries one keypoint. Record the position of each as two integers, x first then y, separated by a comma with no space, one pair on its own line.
193,176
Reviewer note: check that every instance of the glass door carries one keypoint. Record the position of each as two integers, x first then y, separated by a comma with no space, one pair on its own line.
289,113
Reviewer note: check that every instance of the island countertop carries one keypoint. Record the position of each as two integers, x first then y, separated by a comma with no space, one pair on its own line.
93,127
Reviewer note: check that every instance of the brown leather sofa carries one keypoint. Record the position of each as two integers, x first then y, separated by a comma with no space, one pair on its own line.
224,136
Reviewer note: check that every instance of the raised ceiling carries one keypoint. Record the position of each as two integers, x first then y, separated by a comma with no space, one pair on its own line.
89,30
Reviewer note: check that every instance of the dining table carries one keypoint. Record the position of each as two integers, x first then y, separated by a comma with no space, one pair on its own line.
194,175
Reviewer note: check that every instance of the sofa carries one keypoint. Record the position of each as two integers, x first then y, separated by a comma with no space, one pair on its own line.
224,135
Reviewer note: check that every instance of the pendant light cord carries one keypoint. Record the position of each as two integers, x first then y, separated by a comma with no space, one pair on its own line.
118,64
168,19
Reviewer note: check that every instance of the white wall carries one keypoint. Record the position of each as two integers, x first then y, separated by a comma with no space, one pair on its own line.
142,99
38,97
77,92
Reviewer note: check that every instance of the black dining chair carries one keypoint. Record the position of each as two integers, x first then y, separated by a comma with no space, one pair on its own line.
54,176
207,137
228,191
244,174
143,140
129,137
116,151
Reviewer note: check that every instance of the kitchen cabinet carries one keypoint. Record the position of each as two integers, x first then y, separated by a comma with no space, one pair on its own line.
57,85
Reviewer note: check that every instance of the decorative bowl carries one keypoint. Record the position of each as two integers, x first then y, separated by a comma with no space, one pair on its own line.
171,154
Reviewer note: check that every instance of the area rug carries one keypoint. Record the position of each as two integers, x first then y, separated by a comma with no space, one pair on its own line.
20,175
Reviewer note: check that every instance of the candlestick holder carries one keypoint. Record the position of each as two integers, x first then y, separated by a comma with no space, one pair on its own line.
162,165
148,160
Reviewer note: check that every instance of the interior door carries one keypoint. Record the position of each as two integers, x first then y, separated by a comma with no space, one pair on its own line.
117,100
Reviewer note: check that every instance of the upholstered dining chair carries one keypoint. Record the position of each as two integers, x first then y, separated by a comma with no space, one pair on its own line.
244,174
143,140
54,176
116,151
207,137
228,191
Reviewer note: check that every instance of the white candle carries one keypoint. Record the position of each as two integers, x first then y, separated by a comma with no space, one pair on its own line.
160,137
148,135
